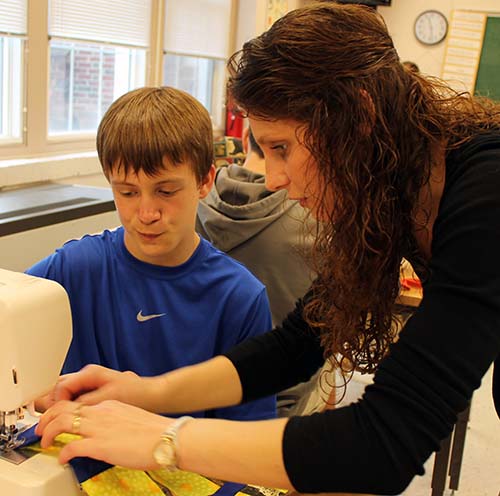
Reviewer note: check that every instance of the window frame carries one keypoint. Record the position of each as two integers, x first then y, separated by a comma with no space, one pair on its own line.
217,97
9,94
37,141
40,157
102,49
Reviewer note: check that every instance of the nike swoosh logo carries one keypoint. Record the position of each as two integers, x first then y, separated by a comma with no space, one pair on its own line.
144,318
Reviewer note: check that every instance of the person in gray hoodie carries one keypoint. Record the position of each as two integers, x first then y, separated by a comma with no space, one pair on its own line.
271,236
259,228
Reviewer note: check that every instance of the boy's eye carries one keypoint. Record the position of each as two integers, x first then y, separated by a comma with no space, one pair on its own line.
166,192
126,193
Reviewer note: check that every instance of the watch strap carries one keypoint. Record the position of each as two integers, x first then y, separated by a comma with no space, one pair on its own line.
170,436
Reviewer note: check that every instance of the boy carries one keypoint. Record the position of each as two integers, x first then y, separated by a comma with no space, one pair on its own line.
151,296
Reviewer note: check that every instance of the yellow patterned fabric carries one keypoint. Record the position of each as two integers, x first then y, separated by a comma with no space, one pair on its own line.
59,442
183,483
119,481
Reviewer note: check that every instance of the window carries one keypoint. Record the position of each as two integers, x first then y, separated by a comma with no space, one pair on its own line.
62,62
96,55
192,64
85,79
12,36
195,75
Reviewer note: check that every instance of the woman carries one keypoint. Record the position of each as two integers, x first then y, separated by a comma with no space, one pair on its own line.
392,164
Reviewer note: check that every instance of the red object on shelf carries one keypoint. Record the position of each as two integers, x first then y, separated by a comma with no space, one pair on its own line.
234,121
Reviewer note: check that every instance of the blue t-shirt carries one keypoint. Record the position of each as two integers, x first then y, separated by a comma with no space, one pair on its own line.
131,315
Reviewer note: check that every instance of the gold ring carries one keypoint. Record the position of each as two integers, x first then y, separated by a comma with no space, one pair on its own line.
77,420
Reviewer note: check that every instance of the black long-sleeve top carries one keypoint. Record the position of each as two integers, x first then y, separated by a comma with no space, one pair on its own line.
380,443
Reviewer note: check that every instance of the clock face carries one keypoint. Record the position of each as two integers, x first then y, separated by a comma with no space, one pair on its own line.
431,27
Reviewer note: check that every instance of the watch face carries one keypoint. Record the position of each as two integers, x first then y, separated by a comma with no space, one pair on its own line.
431,27
164,453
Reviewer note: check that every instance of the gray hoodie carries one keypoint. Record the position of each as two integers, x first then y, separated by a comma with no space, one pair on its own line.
261,229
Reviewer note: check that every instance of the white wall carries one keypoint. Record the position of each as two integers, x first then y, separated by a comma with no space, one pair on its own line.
400,18
251,20
21,250
31,170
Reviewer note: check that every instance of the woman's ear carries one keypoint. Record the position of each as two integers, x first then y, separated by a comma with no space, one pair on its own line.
207,182
244,139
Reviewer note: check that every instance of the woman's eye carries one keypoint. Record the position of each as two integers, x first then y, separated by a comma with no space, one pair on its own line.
281,150
279,147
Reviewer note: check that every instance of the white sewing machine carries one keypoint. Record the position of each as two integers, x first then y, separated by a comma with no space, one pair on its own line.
35,331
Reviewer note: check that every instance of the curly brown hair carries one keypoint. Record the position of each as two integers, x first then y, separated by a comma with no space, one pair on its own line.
372,126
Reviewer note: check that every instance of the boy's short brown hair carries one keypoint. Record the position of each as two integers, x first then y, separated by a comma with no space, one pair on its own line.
146,125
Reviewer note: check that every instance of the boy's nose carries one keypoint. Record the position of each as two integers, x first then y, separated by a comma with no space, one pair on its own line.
149,212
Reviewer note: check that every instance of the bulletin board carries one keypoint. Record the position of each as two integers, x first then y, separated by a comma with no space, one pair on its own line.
463,49
275,10
488,74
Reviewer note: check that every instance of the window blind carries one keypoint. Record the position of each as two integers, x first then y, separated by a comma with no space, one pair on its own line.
198,27
125,22
13,16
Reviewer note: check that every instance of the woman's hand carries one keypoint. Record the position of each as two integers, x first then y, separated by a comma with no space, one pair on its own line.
125,435
204,386
111,431
94,384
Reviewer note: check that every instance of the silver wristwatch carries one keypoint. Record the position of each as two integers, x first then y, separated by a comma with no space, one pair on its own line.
165,452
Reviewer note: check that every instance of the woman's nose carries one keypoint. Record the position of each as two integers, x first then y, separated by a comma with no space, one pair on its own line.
276,178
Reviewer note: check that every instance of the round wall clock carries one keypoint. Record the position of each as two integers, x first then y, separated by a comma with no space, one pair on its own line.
431,27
